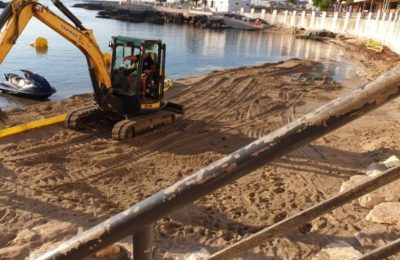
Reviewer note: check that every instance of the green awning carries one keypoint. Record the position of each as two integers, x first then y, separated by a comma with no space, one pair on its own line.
121,40
137,42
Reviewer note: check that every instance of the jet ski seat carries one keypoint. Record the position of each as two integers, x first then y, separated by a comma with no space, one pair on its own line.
18,81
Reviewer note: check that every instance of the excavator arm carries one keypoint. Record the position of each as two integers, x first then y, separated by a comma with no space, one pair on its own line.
17,15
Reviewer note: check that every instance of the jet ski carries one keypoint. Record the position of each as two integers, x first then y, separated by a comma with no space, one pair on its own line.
32,86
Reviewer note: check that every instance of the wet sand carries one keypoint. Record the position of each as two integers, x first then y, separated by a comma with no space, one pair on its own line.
57,182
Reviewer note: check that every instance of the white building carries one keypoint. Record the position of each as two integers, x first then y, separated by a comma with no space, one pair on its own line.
228,6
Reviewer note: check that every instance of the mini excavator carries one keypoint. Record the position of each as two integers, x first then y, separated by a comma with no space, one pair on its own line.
125,93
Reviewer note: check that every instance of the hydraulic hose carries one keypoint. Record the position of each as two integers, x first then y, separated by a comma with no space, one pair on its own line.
5,15
69,14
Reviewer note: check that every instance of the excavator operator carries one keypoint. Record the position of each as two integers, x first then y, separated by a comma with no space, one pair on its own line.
148,69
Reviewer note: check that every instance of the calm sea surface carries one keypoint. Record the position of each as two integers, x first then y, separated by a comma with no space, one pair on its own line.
190,51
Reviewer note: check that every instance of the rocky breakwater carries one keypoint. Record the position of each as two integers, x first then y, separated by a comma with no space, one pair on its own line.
313,35
151,15
3,4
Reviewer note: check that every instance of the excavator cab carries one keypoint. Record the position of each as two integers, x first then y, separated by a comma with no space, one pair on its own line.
137,72
137,79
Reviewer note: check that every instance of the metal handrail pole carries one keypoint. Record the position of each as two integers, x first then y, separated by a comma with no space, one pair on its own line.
143,243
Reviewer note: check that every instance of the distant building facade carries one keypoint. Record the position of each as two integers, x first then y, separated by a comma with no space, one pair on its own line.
228,6
146,1
365,6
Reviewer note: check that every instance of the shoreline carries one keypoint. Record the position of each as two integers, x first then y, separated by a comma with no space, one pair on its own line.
374,64
157,15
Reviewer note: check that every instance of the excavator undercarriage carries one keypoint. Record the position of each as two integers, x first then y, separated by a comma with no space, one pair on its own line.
124,127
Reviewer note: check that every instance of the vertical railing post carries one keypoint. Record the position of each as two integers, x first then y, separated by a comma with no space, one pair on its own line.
312,21
143,243
334,22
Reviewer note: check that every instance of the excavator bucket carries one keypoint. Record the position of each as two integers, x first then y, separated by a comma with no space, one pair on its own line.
173,107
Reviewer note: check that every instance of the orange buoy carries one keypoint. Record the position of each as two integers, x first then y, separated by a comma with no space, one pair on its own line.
40,43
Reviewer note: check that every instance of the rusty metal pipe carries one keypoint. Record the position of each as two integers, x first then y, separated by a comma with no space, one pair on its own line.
239,163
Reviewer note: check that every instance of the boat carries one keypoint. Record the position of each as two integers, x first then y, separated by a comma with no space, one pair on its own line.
32,86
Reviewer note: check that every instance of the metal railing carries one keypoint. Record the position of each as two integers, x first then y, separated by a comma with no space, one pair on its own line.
309,214
137,220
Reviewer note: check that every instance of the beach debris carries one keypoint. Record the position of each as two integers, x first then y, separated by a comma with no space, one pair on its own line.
337,251
109,251
374,46
385,213
168,84
362,238
375,169
392,161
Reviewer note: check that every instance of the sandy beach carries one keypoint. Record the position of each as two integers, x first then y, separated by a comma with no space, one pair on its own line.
55,182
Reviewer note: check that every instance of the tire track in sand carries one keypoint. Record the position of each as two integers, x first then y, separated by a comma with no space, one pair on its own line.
158,146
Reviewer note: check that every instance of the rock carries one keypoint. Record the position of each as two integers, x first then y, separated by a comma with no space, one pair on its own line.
392,161
337,251
369,201
200,255
354,181
26,237
385,213
14,252
375,169
387,193
90,6
313,35
150,15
